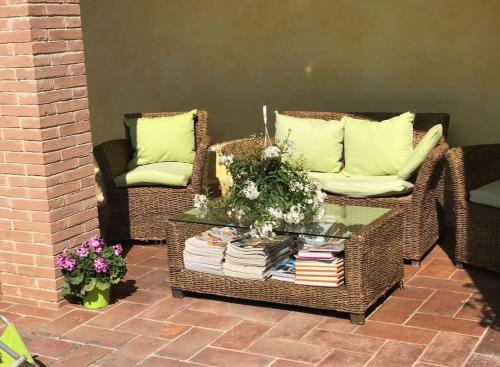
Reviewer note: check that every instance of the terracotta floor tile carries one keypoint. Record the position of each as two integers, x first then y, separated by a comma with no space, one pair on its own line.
396,332
289,350
424,365
242,335
461,275
210,305
444,284
166,308
50,347
151,279
396,354
28,323
135,271
204,319
395,310
133,352
288,363
483,360
413,292
230,358
449,349
294,326
409,272
67,322
121,313
146,297
342,358
44,313
442,323
189,343
486,311
154,262
164,330
163,287
337,324
99,336
439,252
444,303
82,356
438,268
256,313
4,305
490,344
155,361
351,342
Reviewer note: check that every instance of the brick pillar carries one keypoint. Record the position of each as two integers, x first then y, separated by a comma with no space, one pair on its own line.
47,192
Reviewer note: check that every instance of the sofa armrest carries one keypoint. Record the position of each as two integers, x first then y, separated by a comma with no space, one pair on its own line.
472,167
431,175
200,164
112,157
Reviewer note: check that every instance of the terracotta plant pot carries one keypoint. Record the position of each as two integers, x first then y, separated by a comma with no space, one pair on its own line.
96,298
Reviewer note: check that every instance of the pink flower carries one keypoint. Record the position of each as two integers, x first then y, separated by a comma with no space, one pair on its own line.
96,243
101,265
65,263
117,249
82,251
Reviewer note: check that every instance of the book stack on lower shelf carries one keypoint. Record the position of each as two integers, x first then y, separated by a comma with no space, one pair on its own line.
320,263
253,258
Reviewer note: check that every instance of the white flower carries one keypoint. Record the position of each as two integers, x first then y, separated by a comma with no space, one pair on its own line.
296,186
319,214
320,196
315,184
251,191
200,201
295,215
275,213
271,151
264,230
226,160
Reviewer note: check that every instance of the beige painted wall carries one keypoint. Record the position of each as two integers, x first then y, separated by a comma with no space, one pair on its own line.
231,56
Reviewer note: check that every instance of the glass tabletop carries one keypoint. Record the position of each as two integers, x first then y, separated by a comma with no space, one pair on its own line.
339,221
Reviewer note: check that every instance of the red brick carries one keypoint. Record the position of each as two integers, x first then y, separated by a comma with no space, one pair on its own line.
67,58
63,9
65,34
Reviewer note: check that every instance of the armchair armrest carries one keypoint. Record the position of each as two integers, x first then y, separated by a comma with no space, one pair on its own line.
430,176
472,167
200,164
112,158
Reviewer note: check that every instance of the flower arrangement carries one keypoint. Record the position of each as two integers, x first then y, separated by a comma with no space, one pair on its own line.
269,189
91,265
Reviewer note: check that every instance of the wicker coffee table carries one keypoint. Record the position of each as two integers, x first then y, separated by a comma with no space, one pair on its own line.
373,262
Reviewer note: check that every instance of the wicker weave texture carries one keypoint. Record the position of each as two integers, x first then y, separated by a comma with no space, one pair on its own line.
421,222
140,212
477,226
373,265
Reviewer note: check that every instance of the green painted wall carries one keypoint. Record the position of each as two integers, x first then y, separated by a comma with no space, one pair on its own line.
231,56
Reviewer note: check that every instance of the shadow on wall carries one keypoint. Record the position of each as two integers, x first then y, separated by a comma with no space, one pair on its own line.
231,57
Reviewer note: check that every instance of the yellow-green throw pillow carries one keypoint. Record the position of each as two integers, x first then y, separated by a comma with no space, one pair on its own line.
162,139
422,150
165,173
317,142
377,148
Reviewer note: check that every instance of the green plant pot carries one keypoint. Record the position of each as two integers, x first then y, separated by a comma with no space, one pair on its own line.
96,298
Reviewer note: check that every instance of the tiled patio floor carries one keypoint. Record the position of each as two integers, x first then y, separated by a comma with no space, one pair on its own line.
440,318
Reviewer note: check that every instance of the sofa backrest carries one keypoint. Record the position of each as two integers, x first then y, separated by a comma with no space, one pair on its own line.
423,120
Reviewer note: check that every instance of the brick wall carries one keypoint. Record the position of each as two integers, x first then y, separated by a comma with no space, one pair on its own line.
47,192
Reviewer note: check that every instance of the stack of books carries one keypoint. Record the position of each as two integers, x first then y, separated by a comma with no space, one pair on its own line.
253,258
320,263
284,270
205,252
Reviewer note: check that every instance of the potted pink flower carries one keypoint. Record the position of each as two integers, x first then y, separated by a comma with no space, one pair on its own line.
90,269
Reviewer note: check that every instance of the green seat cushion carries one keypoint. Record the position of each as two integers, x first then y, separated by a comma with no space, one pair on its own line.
421,152
165,173
377,148
358,186
487,195
162,139
317,142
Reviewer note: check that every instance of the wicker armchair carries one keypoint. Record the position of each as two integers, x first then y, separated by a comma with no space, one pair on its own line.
477,226
421,222
140,212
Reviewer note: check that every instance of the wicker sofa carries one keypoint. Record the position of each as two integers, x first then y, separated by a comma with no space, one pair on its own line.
140,212
477,226
421,220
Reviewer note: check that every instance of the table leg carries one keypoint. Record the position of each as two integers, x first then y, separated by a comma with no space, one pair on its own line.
415,263
357,318
177,293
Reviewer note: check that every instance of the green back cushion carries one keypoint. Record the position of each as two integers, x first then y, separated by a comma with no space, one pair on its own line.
162,139
362,186
165,173
317,142
422,150
487,195
377,148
